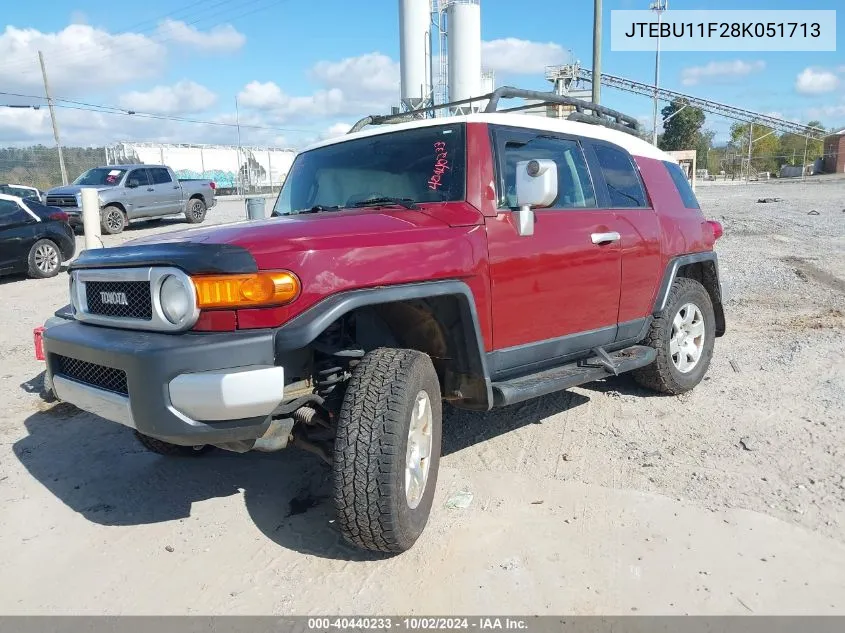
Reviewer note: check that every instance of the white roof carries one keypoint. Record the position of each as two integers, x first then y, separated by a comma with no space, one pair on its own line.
634,145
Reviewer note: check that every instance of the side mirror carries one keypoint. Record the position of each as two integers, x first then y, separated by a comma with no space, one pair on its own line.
536,186
131,184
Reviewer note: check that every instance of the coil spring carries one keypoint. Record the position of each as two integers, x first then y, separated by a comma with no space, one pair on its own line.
333,363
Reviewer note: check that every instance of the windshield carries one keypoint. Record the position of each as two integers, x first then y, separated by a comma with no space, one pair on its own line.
421,165
100,176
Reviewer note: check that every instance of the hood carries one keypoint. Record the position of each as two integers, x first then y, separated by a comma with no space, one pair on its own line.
301,232
70,190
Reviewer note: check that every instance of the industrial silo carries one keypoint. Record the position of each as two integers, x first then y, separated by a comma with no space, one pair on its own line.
414,50
464,45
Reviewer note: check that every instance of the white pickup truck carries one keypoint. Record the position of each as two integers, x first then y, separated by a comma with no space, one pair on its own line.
135,192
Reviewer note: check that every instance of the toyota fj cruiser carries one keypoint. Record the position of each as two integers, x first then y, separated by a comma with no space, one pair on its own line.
479,259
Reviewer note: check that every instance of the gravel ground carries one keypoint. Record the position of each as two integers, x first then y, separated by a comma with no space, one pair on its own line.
602,499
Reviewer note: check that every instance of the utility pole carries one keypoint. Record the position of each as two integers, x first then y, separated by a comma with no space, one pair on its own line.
750,143
658,6
596,51
53,118
238,122
804,164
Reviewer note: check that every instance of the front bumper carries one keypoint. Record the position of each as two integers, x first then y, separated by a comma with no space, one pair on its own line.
185,389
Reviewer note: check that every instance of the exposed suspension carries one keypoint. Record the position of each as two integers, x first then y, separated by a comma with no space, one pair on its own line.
335,355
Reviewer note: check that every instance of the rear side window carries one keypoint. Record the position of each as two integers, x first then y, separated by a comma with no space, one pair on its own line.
159,175
620,175
682,184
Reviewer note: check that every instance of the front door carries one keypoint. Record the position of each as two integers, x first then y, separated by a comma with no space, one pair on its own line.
141,193
168,194
555,293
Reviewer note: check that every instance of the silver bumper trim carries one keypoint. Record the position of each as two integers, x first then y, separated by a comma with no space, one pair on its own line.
108,405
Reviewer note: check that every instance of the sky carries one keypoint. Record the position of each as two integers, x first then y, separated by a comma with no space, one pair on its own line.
305,70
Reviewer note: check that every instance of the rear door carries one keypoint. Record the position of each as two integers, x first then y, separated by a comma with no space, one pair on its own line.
620,182
168,193
17,230
556,292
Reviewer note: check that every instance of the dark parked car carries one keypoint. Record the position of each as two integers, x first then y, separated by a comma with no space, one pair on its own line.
33,238
23,191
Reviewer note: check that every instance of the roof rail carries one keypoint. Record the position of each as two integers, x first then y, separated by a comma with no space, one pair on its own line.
598,114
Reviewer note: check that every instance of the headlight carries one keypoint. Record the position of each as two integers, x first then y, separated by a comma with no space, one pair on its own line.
175,297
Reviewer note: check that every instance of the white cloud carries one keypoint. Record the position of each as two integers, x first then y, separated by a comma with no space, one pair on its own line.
354,86
223,38
815,81
827,112
336,129
184,97
727,70
78,58
373,74
521,57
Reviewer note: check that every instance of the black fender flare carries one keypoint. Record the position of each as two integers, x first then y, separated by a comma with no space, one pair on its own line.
303,329
672,272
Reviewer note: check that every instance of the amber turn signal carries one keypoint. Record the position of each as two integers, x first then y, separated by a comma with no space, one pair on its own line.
246,291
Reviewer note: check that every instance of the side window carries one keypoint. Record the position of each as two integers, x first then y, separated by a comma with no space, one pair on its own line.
575,187
682,184
160,176
623,181
11,213
138,176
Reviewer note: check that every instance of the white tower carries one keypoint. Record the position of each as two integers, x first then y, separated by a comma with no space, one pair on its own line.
464,44
414,51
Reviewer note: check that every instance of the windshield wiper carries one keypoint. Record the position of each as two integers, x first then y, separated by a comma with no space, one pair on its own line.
408,203
317,208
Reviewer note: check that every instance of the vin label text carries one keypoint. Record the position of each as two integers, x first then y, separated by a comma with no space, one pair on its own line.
728,30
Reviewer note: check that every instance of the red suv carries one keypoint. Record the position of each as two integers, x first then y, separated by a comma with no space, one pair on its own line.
482,260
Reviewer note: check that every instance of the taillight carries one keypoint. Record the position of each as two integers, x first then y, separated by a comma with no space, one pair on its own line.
60,216
717,228
213,185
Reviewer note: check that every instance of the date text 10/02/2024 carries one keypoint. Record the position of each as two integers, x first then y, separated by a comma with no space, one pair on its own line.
418,623
724,29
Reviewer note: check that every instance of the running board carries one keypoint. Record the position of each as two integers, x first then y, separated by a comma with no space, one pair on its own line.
600,365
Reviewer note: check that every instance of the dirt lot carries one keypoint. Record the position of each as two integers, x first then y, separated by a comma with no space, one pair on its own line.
605,499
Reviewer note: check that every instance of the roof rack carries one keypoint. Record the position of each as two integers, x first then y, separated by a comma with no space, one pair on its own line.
598,114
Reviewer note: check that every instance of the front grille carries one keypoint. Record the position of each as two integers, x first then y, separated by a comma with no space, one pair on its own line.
61,201
107,378
121,299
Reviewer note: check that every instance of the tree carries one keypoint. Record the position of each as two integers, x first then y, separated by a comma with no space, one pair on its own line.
703,147
683,130
792,146
764,152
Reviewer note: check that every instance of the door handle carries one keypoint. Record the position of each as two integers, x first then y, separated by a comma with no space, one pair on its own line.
604,238
150,189
175,186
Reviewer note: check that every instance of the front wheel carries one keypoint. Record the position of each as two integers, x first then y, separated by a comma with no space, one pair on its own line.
387,450
112,220
683,336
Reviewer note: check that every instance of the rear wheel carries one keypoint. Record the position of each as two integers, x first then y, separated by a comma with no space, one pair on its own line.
683,335
112,220
195,212
387,450
45,259
171,450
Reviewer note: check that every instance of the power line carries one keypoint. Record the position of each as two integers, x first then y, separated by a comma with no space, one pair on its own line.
71,104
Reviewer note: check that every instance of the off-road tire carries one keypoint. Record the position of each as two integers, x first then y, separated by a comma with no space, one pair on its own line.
171,450
112,220
369,454
195,211
662,375
37,260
